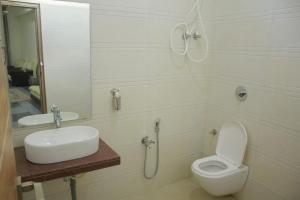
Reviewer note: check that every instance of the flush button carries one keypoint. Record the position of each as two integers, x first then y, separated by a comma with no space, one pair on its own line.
241,93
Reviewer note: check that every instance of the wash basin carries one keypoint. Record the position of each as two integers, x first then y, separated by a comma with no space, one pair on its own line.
57,145
47,118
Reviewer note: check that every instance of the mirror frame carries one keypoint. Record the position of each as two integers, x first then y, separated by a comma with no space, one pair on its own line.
37,5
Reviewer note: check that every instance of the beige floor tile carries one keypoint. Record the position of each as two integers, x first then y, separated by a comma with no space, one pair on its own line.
182,190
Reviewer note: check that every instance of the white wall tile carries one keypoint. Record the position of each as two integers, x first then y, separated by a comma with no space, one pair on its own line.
256,44
252,43
130,51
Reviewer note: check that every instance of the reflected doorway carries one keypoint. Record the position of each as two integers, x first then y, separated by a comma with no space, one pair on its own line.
24,60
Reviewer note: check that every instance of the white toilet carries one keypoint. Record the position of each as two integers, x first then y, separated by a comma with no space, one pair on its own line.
224,173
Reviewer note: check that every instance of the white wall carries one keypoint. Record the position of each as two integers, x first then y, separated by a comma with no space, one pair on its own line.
253,43
257,44
14,40
28,36
130,51
66,51
22,35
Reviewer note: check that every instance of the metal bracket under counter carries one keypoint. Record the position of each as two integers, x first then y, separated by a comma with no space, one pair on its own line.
29,186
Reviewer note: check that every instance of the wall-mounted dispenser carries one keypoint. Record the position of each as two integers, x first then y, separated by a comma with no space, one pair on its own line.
116,100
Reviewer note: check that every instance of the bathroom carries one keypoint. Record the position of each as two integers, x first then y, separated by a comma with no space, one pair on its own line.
159,82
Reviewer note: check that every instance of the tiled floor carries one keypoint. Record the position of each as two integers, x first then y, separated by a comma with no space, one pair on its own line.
23,108
181,190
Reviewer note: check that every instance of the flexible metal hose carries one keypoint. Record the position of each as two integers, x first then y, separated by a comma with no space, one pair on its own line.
157,154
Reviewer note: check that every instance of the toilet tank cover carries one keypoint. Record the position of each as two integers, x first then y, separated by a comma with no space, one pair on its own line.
232,142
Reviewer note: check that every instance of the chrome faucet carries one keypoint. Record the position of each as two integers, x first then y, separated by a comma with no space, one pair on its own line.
56,115
147,142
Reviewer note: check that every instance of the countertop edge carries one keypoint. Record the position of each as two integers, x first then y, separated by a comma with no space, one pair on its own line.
72,171
103,158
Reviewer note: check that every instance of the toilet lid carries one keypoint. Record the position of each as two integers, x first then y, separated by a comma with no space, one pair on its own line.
232,142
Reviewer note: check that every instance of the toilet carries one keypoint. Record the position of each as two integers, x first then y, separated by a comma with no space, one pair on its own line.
223,173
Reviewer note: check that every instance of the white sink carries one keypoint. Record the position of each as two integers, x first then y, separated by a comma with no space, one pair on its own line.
57,145
47,118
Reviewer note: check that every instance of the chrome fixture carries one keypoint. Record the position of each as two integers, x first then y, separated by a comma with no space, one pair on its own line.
241,93
24,187
195,35
191,30
148,143
56,115
72,183
213,132
116,99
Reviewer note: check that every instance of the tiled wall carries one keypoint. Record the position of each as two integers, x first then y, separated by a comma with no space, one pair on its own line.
130,51
257,44
252,43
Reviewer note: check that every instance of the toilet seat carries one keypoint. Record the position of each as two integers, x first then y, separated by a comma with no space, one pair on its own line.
232,143
213,166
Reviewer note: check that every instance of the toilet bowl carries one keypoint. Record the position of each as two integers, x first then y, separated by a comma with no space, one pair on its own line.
224,173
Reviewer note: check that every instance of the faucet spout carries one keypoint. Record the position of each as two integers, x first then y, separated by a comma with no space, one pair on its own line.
56,115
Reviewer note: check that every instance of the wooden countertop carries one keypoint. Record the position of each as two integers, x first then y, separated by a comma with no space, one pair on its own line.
105,157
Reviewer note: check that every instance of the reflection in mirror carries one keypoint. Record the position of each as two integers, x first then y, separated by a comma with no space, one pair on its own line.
48,60
22,59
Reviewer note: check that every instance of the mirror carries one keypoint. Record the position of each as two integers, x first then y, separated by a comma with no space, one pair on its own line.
48,60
